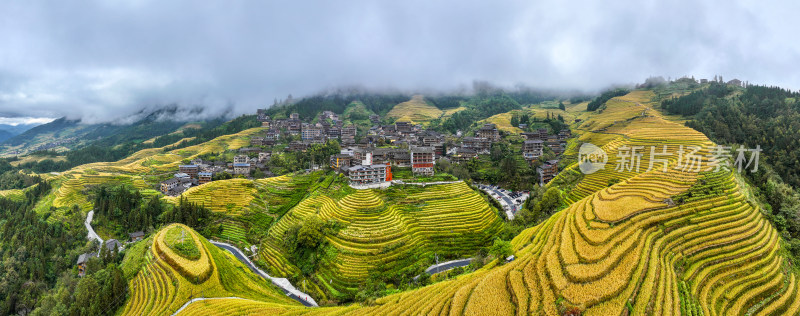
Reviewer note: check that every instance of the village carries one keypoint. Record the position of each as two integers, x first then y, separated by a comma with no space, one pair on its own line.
368,157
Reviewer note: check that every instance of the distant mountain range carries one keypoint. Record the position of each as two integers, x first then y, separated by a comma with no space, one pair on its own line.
8,131
65,134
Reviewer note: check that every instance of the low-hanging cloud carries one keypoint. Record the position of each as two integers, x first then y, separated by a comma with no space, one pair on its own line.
102,60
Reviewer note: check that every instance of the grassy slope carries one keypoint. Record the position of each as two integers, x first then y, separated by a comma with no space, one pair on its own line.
415,110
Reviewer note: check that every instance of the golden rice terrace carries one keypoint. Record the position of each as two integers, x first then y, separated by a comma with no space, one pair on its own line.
622,247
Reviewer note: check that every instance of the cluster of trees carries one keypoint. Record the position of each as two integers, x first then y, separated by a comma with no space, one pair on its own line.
517,119
315,154
692,103
542,203
101,291
126,208
477,108
768,117
446,101
504,167
16,180
604,97
306,242
5,164
191,214
123,209
556,122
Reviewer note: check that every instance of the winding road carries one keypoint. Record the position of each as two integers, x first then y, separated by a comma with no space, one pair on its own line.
282,283
444,266
88,224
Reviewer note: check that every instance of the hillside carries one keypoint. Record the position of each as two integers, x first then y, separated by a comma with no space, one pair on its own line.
47,135
620,247
393,232
177,264
142,170
415,110
82,143
5,135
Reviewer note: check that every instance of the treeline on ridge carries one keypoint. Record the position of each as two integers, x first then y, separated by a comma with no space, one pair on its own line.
604,97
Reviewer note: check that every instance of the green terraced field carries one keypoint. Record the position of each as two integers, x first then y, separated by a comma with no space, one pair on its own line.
381,228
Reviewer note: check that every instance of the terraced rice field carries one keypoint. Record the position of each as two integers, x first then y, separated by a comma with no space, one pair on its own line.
503,122
232,232
415,110
167,280
644,131
617,250
450,219
73,187
13,194
70,187
223,196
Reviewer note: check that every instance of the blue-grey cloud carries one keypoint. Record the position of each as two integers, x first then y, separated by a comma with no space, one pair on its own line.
101,60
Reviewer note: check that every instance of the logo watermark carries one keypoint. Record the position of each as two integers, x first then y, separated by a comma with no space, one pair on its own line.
687,158
591,158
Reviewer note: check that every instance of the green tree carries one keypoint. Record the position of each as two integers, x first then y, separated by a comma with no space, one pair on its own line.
501,249
311,233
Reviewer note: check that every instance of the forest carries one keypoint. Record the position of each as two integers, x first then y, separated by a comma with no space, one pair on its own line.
123,209
36,254
16,180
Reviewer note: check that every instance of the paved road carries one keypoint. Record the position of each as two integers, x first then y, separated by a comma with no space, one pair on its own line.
283,283
444,266
88,224
509,202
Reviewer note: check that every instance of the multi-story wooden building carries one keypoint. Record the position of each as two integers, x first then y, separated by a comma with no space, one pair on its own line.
532,149
204,177
422,160
370,174
488,131
548,171
191,170
481,145
341,162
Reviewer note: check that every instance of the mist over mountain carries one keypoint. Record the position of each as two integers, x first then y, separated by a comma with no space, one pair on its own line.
235,57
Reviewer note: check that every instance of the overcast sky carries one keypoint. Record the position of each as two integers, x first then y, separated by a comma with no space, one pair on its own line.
105,59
